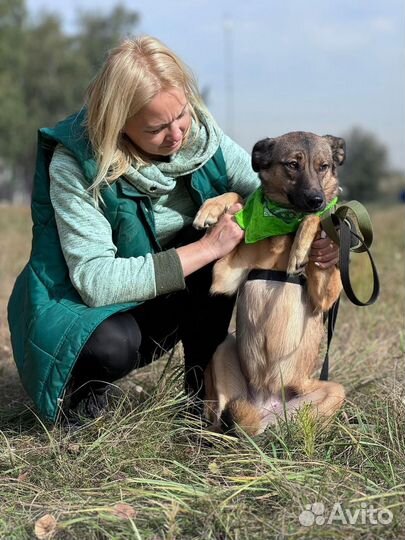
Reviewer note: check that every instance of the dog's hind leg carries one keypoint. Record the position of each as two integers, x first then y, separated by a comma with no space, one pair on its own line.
224,380
325,397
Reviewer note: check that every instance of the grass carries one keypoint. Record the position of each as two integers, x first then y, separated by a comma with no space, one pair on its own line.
146,471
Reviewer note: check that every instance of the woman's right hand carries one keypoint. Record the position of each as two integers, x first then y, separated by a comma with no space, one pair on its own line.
226,234
217,242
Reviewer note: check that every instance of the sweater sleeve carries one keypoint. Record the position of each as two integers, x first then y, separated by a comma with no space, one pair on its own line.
242,178
85,235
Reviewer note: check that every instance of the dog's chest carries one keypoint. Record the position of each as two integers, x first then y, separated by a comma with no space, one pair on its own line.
271,329
271,310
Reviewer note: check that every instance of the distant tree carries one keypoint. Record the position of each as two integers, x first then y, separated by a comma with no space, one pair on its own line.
53,84
44,73
392,186
12,67
365,165
97,33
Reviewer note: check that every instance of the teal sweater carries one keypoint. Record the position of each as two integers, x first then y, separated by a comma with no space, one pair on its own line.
99,276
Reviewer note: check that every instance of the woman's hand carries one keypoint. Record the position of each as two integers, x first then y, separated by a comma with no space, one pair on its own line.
224,236
324,252
217,242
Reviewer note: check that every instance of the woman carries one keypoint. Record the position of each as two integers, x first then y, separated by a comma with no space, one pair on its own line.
117,275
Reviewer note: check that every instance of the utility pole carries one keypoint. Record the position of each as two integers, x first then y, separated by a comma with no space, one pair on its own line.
229,76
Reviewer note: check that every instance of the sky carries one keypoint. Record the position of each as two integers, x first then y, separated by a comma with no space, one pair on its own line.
274,66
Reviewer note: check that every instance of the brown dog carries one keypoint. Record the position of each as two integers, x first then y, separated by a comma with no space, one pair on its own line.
263,372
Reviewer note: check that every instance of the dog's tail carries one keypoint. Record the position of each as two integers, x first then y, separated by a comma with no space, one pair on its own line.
241,413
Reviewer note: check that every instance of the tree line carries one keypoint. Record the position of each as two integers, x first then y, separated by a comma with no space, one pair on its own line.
44,72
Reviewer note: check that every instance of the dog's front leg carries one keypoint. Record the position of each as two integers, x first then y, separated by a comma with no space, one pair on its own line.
324,286
299,254
212,209
232,270
228,274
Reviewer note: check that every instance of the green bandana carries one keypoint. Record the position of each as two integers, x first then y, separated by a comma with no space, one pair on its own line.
261,218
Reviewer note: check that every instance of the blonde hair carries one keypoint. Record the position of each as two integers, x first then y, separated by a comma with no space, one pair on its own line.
132,75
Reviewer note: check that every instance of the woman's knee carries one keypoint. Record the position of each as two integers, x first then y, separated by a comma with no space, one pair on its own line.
113,348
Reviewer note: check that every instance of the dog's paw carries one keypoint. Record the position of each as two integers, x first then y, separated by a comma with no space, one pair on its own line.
300,250
297,261
212,209
208,215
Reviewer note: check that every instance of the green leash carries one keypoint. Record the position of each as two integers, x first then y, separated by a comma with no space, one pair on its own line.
350,227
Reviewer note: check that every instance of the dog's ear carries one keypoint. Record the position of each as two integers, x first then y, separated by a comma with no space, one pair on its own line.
338,146
262,154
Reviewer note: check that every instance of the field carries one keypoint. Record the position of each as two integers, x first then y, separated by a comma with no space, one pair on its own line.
145,472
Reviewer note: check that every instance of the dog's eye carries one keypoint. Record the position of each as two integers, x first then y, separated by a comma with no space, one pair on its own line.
292,165
324,167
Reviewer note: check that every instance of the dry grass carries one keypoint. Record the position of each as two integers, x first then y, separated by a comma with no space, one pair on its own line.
143,472
15,244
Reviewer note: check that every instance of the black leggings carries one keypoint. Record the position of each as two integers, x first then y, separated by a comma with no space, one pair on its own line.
132,339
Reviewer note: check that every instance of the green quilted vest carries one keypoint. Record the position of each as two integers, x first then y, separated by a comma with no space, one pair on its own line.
48,321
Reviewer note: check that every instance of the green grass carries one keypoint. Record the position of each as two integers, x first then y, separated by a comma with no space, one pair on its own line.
176,480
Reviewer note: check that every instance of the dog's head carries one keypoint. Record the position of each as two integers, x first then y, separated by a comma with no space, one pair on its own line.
299,169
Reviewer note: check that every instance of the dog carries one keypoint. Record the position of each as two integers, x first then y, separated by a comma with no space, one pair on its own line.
262,373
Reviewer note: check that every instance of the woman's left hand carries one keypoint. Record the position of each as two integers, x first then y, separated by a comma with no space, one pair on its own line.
324,252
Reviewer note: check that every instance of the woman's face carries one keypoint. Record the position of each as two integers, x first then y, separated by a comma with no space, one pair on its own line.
160,126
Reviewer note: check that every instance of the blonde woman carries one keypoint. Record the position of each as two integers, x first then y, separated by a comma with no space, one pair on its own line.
117,275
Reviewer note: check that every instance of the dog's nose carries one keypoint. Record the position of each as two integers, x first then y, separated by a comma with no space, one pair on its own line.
314,201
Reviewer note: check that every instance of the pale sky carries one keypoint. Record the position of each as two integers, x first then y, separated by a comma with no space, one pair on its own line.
272,67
